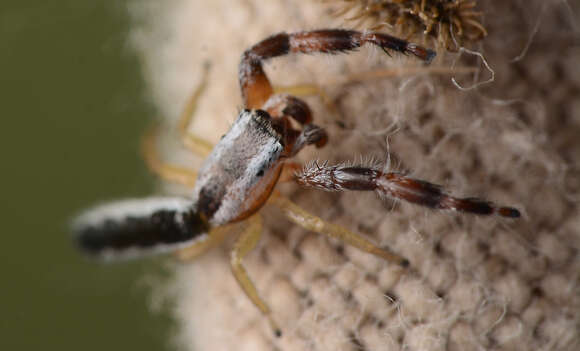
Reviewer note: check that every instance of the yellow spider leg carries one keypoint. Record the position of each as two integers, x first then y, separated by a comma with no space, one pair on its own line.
197,145
194,143
247,241
316,224
313,89
406,71
215,238
170,173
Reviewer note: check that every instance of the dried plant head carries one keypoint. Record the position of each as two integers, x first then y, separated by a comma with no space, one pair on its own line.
448,23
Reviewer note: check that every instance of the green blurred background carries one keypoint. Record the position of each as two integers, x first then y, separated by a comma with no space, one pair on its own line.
73,109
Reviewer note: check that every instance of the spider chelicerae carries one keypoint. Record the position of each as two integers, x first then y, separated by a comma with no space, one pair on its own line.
239,174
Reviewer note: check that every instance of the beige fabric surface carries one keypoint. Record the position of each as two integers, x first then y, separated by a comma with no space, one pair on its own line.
475,283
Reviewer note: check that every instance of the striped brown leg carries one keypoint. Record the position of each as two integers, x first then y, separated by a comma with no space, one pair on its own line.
396,186
255,86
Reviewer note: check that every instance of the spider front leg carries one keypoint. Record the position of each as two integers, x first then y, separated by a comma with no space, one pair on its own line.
396,186
255,86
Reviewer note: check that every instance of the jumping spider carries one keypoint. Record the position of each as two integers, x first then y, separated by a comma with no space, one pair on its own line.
240,173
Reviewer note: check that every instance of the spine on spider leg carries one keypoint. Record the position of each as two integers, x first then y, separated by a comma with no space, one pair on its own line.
395,186
138,227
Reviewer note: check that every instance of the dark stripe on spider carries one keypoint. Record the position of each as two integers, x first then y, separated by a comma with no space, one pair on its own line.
163,227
